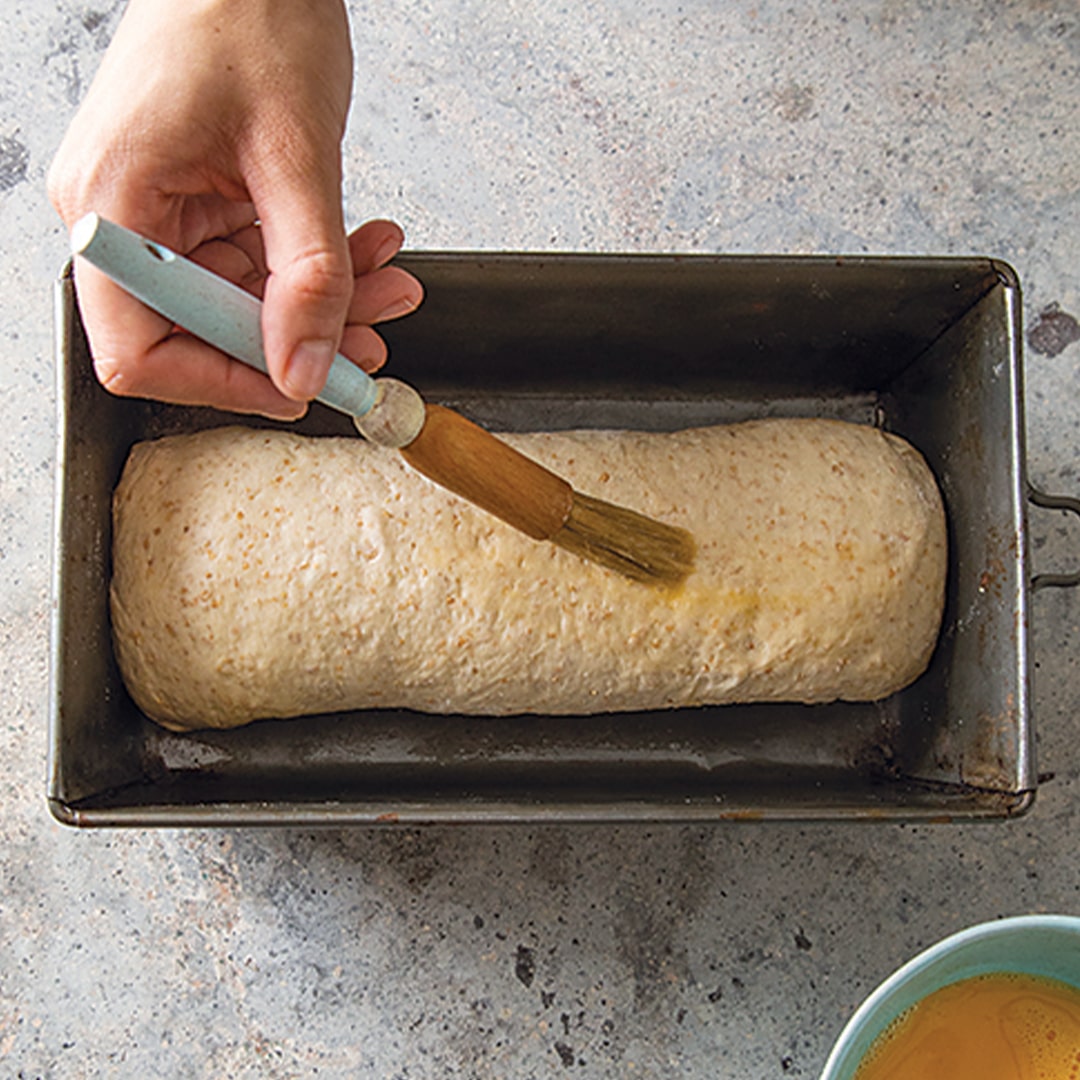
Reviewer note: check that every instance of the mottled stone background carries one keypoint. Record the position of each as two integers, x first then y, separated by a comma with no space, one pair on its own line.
910,126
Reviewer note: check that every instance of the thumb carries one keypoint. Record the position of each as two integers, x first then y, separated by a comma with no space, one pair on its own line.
310,280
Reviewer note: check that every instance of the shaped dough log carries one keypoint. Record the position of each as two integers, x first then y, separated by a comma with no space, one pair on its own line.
264,574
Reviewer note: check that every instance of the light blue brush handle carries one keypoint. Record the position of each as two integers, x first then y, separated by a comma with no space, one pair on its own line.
204,304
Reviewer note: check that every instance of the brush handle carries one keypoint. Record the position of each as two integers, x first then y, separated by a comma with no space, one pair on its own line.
230,319
471,462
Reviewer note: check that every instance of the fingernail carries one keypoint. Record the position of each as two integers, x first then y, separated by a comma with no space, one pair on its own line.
387,250
402,305
306,371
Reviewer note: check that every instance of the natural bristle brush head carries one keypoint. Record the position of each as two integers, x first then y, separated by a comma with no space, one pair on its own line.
637,546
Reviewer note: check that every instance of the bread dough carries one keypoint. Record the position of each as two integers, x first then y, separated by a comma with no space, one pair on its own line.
260,573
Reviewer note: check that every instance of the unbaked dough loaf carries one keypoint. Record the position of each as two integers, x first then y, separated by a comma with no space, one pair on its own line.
263,574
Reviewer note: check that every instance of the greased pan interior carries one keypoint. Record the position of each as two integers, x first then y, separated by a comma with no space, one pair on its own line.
926,347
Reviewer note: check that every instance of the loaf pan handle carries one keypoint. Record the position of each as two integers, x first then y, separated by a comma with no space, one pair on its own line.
1054,502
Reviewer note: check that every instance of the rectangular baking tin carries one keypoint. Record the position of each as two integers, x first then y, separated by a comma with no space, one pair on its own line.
926,347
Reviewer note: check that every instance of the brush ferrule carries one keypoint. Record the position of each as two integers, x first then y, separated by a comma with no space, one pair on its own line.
396,418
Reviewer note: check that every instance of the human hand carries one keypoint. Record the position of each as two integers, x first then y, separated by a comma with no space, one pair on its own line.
216,130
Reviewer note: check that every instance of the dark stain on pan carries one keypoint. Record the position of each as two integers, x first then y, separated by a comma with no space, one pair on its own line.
986,763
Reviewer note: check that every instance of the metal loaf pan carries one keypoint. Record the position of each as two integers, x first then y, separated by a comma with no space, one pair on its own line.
929,348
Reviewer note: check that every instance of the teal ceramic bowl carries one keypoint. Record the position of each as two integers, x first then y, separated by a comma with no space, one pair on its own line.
1047,945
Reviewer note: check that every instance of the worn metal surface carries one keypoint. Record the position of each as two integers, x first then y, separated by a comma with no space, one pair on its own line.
929,347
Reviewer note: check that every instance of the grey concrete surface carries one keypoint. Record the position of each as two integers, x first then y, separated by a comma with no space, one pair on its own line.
891,126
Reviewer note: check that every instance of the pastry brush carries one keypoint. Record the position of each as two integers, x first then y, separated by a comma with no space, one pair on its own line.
436,441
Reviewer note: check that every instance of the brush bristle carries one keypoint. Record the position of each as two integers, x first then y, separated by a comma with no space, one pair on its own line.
636,546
